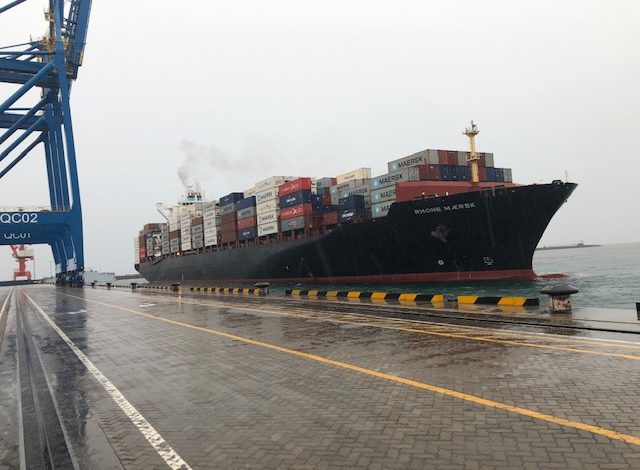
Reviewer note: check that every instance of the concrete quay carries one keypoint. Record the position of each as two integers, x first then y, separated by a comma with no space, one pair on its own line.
97,378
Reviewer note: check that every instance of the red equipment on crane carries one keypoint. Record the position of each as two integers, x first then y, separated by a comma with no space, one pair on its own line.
21,255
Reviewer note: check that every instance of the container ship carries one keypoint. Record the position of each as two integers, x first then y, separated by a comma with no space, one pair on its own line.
436,215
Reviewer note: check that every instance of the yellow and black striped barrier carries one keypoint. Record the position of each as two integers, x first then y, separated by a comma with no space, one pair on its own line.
156,287
229,290
504,301
365,295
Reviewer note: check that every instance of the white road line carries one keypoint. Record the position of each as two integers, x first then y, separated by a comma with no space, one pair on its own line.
166,452
4,308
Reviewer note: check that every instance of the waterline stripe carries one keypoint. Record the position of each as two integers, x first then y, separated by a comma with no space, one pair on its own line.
166,452
611,434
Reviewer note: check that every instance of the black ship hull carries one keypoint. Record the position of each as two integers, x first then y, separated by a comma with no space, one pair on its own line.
479,235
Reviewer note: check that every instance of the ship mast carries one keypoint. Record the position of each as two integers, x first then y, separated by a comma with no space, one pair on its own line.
473,158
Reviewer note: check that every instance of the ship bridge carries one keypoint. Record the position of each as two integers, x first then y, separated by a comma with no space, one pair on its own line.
41,123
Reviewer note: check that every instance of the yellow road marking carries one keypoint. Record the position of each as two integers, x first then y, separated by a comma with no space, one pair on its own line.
378,295
407,297
393,378
470,336
467,299
353,295
515,301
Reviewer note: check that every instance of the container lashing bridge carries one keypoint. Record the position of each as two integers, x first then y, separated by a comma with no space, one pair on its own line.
49,64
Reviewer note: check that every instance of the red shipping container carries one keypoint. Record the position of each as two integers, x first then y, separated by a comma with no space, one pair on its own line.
452,157
326,199
482,172
294,186
410,190
230,217
196,221
229,227
152,227
247,222
482,159
174,234
330,218
296,211
227,237
429,172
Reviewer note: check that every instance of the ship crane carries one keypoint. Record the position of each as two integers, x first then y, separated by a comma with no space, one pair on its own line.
473,157
22,254
41,122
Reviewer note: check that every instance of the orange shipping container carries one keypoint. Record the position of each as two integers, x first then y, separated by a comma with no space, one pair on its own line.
296,211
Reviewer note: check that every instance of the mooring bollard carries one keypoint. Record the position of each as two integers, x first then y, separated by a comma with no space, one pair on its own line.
134,285
109,285
559,297
263,286
93,284
638,310
175,287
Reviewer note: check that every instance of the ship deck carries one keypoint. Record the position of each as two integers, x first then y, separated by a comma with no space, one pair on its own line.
97,378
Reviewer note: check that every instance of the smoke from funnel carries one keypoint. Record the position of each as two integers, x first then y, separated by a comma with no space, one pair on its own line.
257,157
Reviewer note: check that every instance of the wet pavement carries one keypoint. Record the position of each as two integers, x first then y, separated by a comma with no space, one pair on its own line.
95,378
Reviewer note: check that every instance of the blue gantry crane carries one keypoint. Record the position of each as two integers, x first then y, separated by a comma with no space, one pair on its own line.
49,64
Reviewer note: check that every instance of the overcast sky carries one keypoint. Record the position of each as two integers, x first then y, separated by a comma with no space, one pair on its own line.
320,87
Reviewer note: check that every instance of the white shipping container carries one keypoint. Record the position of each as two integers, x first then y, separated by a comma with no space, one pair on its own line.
268,206
383,195
136,250
272,182
208,223
197,243
390,179
210,240
362,190
462,158
423,157
357,174
267,229
210,232
508,175
488,159
267,217
381,209
185,243
249,192
268,194
342,187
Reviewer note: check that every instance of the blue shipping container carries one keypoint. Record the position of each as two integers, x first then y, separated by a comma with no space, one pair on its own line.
295,223
229,198
499,176
354,200
246,202
327,209
491,174
247,233
463,173
447,172
248,212
347,215
295,199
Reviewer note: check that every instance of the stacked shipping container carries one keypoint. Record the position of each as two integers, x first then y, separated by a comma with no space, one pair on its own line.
285,204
